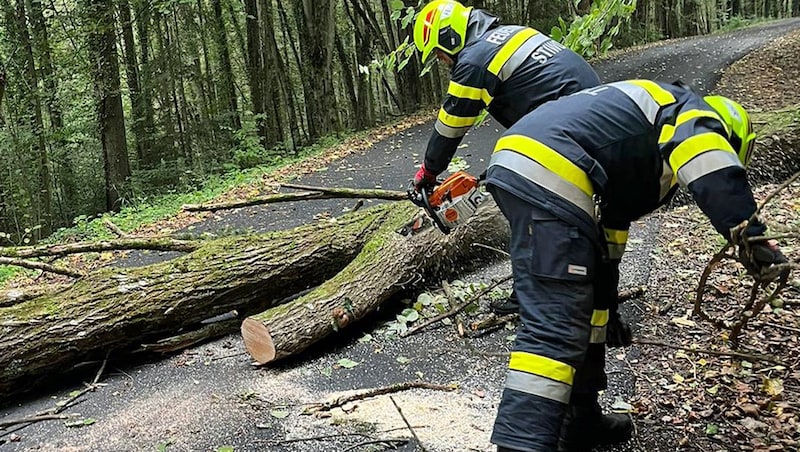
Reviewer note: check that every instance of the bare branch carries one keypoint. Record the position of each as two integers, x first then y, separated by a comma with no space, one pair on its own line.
130,243
739,355
339,401
33,265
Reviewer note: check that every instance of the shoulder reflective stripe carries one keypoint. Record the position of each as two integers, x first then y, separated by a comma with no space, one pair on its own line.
548,158
468,92
598,335
450,132
538,386
600,317
455,121
660,95
616,236
668,131
647,103
543,177
667,181
696,145
542,366
706,163
522,54
515,52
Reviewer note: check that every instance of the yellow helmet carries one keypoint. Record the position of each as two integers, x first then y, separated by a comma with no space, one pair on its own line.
742,137
442,24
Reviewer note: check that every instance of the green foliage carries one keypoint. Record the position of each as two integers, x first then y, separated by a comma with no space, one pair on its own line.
593,34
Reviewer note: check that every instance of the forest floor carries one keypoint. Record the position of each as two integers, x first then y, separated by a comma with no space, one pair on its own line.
700,397
719,402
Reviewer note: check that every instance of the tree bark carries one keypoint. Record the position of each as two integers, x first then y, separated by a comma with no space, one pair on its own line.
122,308
132,77
228,89
385,266
101,33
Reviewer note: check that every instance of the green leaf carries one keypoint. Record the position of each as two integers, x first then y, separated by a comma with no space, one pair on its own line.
410,315
403,360
347,363
225,449
327,371
425,298
556,34
279,413
89,421
162,447
365,338
396,5
711,429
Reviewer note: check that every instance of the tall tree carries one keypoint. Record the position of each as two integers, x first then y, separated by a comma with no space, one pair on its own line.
227,90
102,45
138,98
41,45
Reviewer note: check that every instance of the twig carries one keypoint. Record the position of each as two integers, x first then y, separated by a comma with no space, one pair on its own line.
32,419
114,228
745,356
410,428
339,401
491,248
33,265
769,197
747,314
333,436
455,310
782,327
392,442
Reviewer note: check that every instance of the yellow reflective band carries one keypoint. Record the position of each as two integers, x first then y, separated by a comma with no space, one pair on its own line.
659,94
543,366
548,158
696,145
455,121
669,130
468,92
509,48
616,236
600,317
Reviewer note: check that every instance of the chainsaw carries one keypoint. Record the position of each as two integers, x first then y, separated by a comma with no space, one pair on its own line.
451,202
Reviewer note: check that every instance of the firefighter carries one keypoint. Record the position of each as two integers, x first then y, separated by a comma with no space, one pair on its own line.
570,177
507,69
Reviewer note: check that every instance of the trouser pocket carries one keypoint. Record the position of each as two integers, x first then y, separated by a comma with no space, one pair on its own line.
559,250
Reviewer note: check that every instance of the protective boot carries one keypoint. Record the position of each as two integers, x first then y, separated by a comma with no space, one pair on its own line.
586,427
508,306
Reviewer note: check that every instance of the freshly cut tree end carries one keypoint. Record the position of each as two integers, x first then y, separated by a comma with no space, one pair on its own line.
258,341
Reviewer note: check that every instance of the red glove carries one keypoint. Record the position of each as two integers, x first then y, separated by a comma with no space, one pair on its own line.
424,178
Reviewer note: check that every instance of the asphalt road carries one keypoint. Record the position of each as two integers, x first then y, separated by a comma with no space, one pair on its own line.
210,396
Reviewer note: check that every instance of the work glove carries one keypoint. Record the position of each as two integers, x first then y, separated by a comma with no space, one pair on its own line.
424,178
761,256
618,331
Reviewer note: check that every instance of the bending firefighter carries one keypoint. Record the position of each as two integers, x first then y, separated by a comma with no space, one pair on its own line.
509,69
570,178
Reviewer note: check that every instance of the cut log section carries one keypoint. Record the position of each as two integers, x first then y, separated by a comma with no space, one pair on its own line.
384,266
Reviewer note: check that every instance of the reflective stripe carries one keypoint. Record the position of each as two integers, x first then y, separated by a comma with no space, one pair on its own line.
615,241
539,386
548,158
696,145
450,132
542,366
647,95
468,92
706,163
600,317
668,131
598,335
541,176
515,52
455,121
667,181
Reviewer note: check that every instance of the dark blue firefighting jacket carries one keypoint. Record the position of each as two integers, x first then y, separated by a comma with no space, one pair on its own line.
507,69
632,143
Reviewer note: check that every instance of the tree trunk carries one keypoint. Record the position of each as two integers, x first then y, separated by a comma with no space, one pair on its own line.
41,42
228,89
385,265
132,77
101,35
122,308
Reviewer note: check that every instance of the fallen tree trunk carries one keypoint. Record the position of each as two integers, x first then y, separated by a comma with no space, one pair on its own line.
122,308
385,265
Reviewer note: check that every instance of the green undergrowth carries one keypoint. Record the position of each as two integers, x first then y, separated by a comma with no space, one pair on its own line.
158,208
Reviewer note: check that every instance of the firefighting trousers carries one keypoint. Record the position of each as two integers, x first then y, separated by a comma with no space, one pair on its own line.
554,266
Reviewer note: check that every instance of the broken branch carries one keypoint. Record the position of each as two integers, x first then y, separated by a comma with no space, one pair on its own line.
341,400
33,265
745,356
156,244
